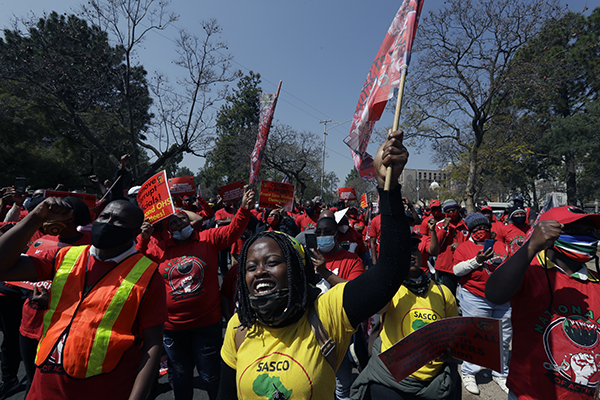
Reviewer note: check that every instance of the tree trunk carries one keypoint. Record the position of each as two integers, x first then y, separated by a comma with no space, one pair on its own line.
471,178
570,179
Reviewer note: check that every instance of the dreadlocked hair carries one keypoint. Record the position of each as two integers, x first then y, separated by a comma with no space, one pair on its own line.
296,269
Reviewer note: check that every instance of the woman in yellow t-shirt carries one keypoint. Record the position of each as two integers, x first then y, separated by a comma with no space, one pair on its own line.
270,350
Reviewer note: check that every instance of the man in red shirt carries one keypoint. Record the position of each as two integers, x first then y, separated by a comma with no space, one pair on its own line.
436,214
308,220
188,264
451,232
513,235
555,308
118,372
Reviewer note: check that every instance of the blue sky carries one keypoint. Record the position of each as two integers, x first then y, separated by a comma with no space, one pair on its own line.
321,50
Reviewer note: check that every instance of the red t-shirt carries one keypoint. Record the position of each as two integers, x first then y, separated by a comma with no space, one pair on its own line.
513,236
223,215
305,222
457,233
190,272
555,351
344,264
118,383
375,230
353,240
475,280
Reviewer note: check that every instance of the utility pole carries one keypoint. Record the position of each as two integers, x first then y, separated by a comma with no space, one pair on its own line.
324,122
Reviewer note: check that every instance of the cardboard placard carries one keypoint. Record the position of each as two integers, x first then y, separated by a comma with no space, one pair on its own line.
347,193
276,194
363,201
182,186
88,199
29,285
473,339
154,198
231,192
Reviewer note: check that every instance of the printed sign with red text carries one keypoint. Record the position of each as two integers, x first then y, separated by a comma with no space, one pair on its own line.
154,198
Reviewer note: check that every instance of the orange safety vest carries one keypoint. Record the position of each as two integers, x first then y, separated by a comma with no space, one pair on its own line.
98,325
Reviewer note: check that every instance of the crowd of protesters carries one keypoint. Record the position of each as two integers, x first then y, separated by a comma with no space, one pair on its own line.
308,296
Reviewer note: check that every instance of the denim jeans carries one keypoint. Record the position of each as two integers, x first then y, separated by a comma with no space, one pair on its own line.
198,347
476,306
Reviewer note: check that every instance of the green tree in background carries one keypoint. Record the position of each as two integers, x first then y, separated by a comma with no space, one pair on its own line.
556,81
236,130
64,73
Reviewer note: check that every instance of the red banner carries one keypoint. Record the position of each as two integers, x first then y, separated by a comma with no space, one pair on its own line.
88,199
154,198
30,285
363,200
384,75
267,109
347,193
232,191
364,165
473,339
276,194
182,186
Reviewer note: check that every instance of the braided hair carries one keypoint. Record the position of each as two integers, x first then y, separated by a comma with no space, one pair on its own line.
300,274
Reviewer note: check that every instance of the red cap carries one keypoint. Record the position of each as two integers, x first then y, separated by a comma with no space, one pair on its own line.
435,203
486,208
568,214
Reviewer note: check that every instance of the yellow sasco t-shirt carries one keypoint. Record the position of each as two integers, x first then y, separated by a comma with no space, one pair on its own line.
289,358
408,312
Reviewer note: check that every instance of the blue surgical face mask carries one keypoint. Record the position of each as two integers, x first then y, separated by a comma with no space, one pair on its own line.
184,233
326,243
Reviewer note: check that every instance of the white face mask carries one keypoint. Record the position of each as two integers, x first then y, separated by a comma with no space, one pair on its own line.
183,234
343,228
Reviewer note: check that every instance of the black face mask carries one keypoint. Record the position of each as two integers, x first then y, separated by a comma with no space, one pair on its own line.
109,236
518,220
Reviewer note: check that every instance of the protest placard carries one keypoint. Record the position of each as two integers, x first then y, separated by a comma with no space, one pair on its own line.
232,191
154,198
363,201
473,339
347,193
182,186
30,285
88,199
275,194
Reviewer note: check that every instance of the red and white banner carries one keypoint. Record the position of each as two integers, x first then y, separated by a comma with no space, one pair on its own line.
364,165
267,109
182,186
232,191
347,193
384,75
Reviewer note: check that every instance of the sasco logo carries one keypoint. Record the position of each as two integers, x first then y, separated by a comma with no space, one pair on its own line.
273,366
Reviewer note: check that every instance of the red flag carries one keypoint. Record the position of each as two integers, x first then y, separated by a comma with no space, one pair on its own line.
384,75
267,109
364,165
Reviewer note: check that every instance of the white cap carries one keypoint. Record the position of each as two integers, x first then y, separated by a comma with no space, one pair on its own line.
133,191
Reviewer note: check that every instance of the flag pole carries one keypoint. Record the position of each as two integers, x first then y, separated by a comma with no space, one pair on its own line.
388,172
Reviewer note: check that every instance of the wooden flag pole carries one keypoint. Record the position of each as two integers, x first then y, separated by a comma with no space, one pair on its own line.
388,172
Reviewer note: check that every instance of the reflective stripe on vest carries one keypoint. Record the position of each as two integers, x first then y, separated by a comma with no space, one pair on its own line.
58,284
104,330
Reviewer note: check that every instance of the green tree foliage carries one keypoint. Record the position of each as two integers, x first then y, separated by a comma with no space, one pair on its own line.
556,81
462,57
237,130
66,79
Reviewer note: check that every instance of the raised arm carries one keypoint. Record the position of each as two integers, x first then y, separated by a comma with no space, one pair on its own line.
372,290
13,266
505,281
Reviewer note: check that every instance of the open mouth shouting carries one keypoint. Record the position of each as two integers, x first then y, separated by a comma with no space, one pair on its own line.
266,269
263,287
